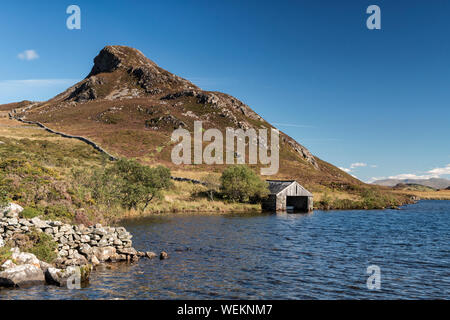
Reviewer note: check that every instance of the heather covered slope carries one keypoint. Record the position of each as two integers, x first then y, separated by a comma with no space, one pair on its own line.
130,106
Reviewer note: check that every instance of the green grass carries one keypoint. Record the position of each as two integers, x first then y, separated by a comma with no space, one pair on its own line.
5,254
30,213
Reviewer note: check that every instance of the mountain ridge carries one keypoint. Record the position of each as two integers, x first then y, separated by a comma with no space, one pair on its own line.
436,183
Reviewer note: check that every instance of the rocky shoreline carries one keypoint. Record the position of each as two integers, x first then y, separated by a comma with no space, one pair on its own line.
79,250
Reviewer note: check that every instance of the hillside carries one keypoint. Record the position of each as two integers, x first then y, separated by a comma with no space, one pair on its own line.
412,187
435,183
130,106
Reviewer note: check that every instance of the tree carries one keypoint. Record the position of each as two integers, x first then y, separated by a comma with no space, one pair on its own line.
213,183
240,183
137,184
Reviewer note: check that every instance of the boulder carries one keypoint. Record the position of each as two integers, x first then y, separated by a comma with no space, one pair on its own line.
20,276
118,257
85,249
25,258
94,261
44,266
128,251
11,211
163,255
2,242
151,255
8,264
103,253
141,254
70,277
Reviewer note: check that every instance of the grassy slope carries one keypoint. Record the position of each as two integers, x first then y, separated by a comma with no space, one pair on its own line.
426,195
128,137
38,165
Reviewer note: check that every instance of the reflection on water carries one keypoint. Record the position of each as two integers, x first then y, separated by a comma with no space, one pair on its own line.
323,255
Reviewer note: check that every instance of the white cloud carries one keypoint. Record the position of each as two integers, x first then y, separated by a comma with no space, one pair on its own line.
358,164
433,173
441,171
373,166
28,55
412,176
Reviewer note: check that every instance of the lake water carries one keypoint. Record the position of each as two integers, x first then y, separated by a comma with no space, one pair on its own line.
323,255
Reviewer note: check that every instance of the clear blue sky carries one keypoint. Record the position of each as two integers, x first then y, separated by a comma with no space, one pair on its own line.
379,98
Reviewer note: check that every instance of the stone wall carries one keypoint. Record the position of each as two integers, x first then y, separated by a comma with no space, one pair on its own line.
80,248
77,244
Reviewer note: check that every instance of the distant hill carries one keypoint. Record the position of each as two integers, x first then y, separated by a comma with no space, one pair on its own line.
436,183
413,187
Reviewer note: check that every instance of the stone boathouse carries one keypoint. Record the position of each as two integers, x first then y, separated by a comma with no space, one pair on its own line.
287,195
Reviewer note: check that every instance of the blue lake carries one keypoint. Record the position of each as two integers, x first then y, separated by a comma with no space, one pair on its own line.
323,255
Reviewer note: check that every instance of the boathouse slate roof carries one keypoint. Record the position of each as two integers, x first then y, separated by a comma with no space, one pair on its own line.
276,186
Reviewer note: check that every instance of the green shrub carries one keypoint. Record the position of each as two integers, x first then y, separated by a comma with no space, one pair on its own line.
136,184
240,183
5,254
3,197
57,212
44,247
29,213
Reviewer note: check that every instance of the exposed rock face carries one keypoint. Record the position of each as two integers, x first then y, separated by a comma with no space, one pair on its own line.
85,91
108,60
148,75
164,121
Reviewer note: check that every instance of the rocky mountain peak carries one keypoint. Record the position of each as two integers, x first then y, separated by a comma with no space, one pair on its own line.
148,75
112,58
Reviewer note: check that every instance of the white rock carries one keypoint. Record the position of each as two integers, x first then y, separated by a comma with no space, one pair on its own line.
25,258
104,253
23,275
38,223
68,277
11,211
8,264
